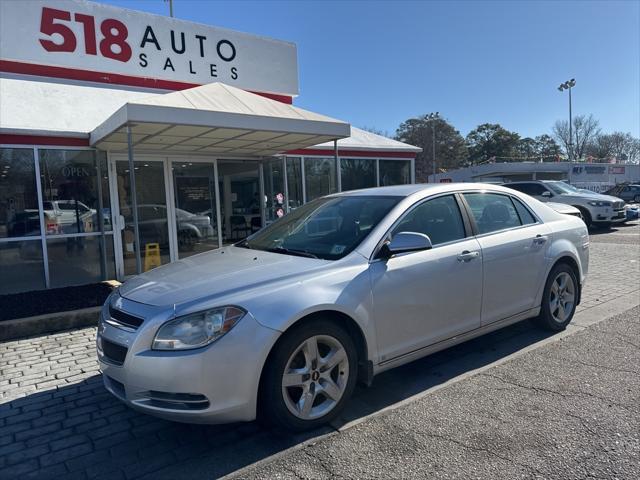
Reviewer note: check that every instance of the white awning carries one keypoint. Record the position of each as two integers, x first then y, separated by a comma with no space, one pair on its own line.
215,119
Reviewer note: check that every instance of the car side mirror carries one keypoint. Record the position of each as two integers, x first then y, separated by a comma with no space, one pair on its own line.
547,194
405,242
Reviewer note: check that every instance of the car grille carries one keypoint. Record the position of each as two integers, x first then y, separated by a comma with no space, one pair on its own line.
618,205
113,352
118,317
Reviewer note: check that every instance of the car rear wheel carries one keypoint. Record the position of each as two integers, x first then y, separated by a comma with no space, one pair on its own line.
310,376
636,199
560,298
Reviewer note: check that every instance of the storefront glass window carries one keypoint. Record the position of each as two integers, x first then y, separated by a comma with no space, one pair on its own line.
274,189
357,173
395,172
80,259
21,266
70,191
294,182
320,177
19,216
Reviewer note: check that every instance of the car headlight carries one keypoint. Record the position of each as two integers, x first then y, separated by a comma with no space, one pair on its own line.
596,203
197,329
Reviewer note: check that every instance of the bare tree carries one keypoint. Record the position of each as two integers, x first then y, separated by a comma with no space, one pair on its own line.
617,145
377,131
585,129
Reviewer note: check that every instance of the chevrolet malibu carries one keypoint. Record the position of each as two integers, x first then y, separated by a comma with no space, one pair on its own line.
282,325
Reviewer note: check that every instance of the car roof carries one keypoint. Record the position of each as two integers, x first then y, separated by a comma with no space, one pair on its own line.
419,188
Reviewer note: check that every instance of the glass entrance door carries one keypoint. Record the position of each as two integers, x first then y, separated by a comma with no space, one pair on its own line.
196,215
184,208
241,199
153,216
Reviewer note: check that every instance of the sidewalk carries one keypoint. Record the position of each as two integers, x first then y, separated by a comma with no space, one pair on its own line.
568,410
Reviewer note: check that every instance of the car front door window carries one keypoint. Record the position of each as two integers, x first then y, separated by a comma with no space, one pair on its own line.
439,219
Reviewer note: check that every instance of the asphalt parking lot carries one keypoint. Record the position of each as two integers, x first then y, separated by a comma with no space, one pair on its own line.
502,406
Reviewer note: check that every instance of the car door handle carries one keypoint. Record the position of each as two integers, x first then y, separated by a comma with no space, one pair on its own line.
539,240
467,256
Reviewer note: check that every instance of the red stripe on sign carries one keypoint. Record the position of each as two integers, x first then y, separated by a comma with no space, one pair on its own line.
111,78
353,153
9,139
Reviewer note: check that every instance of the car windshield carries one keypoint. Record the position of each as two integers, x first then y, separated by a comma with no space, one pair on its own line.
327,228
561,187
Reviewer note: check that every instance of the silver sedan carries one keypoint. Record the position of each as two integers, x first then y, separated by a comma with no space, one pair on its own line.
283,325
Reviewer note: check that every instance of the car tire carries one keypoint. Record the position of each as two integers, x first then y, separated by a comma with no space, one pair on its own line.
586,216
636,199
559,300
315,390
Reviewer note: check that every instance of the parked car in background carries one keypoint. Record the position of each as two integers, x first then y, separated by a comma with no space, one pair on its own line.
73,216
597,209
565,209
27,223
633,212
283,324
630,193
153,225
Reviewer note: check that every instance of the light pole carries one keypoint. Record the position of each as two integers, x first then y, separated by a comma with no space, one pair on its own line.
170,7
568,85
431,118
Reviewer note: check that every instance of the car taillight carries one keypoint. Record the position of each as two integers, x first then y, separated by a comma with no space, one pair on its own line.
51,227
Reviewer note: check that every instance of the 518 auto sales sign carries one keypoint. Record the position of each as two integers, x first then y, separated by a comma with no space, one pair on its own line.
80,36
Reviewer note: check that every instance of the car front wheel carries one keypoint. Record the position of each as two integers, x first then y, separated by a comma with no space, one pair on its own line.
310,376
560,298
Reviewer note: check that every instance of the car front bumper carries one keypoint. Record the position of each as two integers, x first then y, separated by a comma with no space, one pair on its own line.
213,384
607,215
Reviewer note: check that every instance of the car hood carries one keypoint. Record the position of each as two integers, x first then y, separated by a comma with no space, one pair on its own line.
592,196
216,273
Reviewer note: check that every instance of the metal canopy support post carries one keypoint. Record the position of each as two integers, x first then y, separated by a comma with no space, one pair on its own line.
337,163
285,179
134,201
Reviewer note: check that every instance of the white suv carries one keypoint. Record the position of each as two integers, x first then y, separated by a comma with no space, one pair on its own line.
596,209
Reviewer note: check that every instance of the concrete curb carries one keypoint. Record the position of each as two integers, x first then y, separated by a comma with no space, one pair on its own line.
48,323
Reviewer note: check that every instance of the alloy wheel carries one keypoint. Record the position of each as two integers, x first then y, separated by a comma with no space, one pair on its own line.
562,298
315,377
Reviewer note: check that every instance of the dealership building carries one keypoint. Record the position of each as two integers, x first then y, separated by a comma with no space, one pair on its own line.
130,140
597,177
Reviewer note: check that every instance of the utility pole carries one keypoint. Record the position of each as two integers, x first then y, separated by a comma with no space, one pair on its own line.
568,85
431,118
170,7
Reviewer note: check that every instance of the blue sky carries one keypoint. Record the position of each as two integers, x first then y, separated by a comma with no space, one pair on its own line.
376,63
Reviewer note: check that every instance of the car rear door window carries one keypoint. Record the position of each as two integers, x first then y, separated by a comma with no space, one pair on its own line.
492,212
438,218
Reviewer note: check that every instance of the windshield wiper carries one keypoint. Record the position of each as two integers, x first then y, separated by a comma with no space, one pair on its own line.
291,251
